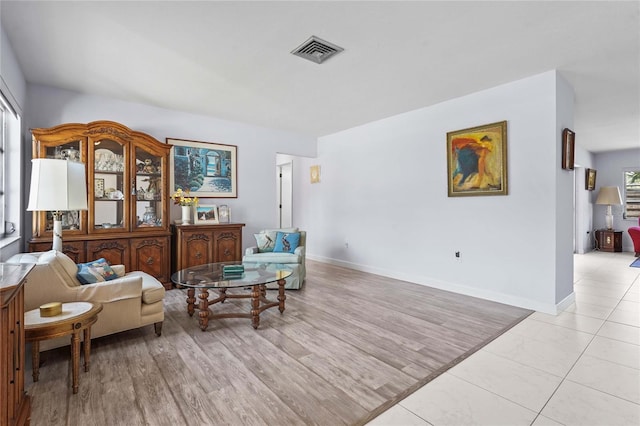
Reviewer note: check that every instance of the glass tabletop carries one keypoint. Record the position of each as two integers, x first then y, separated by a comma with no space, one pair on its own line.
211,275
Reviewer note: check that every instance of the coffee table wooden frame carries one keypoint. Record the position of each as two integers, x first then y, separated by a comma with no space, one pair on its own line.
72,325
258,296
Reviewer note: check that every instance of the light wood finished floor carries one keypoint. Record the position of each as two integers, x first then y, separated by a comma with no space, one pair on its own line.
348,346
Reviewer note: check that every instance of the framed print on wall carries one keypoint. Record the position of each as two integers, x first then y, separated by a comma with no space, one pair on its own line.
590,179
207,170
477,160
568,148
205,214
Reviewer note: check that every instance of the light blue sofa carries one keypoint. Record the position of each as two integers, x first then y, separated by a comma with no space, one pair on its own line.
295,260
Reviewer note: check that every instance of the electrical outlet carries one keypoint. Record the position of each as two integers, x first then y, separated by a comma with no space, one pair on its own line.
458,254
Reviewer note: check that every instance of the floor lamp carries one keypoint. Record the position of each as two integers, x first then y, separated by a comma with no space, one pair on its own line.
57,186
609,195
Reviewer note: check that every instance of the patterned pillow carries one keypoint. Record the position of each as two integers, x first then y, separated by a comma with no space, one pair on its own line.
96,271
265,241
286,242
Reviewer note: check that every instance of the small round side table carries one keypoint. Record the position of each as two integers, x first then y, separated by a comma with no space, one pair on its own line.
75,317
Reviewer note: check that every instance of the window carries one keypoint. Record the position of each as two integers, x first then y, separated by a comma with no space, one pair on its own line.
10,163
631,193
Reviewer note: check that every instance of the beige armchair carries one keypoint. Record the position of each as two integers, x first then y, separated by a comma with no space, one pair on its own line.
132,300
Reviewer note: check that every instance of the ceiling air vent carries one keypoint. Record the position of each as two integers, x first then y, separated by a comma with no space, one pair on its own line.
317,50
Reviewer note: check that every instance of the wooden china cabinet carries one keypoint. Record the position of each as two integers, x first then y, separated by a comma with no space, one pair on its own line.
127,221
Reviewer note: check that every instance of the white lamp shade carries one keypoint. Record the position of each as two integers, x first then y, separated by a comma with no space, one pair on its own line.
57,185
609,195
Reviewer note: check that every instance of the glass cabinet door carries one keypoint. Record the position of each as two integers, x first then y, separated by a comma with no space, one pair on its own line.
73,222
148,189
110,188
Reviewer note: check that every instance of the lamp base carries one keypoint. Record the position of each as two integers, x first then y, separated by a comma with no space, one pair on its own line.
608,219
57,231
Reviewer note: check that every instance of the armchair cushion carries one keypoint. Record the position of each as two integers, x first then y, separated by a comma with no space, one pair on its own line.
95,271
152,290
286,242
111,291
272,258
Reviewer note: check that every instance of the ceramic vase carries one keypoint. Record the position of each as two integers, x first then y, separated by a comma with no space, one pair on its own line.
186,215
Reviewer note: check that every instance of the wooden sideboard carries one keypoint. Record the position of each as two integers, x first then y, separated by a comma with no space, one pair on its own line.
15,404
200,244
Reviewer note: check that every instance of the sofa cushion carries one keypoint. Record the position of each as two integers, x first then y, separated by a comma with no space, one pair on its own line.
152,290
265,241
95,271
286,242
272,258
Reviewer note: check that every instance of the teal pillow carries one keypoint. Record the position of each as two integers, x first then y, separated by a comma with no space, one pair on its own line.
96,271
265,241
286,242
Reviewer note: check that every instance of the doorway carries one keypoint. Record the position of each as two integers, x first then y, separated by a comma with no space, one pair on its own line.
285,193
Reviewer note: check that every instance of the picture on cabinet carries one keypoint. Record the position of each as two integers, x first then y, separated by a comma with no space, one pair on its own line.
206,170
206,214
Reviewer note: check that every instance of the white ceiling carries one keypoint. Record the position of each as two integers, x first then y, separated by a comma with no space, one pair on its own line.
232,59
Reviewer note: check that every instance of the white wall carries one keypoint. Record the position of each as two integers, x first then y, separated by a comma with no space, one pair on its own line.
257,146
382,203
610,166
12,82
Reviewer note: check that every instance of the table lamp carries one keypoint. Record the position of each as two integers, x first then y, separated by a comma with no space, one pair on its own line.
57,186
608,196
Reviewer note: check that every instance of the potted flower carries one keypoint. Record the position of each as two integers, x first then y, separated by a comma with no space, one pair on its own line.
182,198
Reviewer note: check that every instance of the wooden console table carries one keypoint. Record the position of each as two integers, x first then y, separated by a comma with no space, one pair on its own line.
609,240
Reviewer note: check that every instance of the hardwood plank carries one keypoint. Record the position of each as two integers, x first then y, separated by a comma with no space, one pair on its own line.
348,346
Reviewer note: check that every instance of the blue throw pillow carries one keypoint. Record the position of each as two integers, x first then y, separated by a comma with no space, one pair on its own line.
286,242
96,271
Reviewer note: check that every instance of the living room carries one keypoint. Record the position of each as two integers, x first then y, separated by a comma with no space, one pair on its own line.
381,204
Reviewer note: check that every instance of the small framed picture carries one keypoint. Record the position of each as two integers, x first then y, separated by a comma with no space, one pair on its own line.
206,214
224,214
568,148
98,187
590,180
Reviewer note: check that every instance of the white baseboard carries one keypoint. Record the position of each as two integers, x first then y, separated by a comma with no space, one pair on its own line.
507,299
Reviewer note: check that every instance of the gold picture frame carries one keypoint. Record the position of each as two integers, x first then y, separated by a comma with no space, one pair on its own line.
477,160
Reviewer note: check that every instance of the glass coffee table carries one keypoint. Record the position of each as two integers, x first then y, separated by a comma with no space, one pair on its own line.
255,277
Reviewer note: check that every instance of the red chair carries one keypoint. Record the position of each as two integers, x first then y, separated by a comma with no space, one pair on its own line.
634,233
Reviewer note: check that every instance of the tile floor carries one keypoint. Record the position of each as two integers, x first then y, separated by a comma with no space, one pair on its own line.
581,367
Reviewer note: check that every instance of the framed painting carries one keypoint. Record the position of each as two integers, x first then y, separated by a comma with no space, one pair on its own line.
568,148
477,160
206,214
206,170
590,179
